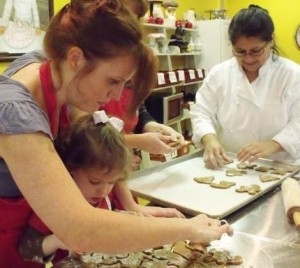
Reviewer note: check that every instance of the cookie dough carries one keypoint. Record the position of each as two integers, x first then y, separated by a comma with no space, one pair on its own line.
250,189
222,184
243,165
262,169
279,171
268,177
231,172
206,180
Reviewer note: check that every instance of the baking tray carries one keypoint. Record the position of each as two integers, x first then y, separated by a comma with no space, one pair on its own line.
171,184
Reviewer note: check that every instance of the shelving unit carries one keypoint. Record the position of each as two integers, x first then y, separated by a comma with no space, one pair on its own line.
215,48
170,62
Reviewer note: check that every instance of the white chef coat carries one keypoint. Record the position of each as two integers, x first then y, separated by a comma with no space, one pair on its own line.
240,112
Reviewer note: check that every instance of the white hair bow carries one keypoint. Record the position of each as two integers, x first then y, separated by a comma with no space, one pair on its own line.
101,117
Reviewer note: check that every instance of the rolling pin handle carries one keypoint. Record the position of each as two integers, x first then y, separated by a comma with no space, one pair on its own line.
296,218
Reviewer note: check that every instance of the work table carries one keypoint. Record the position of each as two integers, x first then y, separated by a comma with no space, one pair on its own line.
265,226
263,236
263,233
266,217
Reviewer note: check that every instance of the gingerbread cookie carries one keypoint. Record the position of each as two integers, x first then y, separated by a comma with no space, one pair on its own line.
217,256
262,169
279,171
206,180
205,258
222,184
179,255
182,250
231,172
268,177
234,260
250,189
243,165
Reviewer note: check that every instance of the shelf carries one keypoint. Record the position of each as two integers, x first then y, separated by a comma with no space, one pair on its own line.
177,55
163,54
168,86
192,83
181,84
162,26
186,54
158,26
185,116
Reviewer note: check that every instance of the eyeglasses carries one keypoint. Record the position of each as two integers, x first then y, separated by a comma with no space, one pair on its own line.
252,53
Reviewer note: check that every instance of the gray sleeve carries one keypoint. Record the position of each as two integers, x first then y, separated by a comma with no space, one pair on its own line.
25,59
18,117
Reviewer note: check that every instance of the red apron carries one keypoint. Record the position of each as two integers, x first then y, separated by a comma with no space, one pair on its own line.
120,108
15,212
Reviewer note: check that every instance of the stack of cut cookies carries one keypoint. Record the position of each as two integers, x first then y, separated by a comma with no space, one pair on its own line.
180,254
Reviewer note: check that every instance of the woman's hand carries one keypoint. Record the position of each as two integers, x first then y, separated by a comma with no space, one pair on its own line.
176,137
154,143
258,149
207,229
214,155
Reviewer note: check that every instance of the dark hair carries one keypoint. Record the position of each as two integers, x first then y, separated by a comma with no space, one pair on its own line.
103,29
88,145
253,21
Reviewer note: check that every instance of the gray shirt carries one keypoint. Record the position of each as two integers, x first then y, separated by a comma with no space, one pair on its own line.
19,113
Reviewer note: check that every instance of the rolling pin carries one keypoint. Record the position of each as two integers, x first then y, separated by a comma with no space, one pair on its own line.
291,200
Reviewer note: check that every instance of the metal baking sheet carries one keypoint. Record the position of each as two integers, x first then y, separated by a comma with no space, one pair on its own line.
171,184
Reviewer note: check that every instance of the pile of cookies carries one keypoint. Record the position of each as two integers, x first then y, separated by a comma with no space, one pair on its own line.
240,170
180,254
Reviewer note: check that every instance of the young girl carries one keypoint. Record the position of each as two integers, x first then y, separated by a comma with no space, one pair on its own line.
97,157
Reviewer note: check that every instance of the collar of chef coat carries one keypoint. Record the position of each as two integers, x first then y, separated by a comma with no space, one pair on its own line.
246,90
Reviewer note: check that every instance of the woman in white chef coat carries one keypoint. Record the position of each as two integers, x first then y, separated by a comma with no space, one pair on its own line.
249,104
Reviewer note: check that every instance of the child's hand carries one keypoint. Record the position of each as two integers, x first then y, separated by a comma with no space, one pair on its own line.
59,244
160,212
130,212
